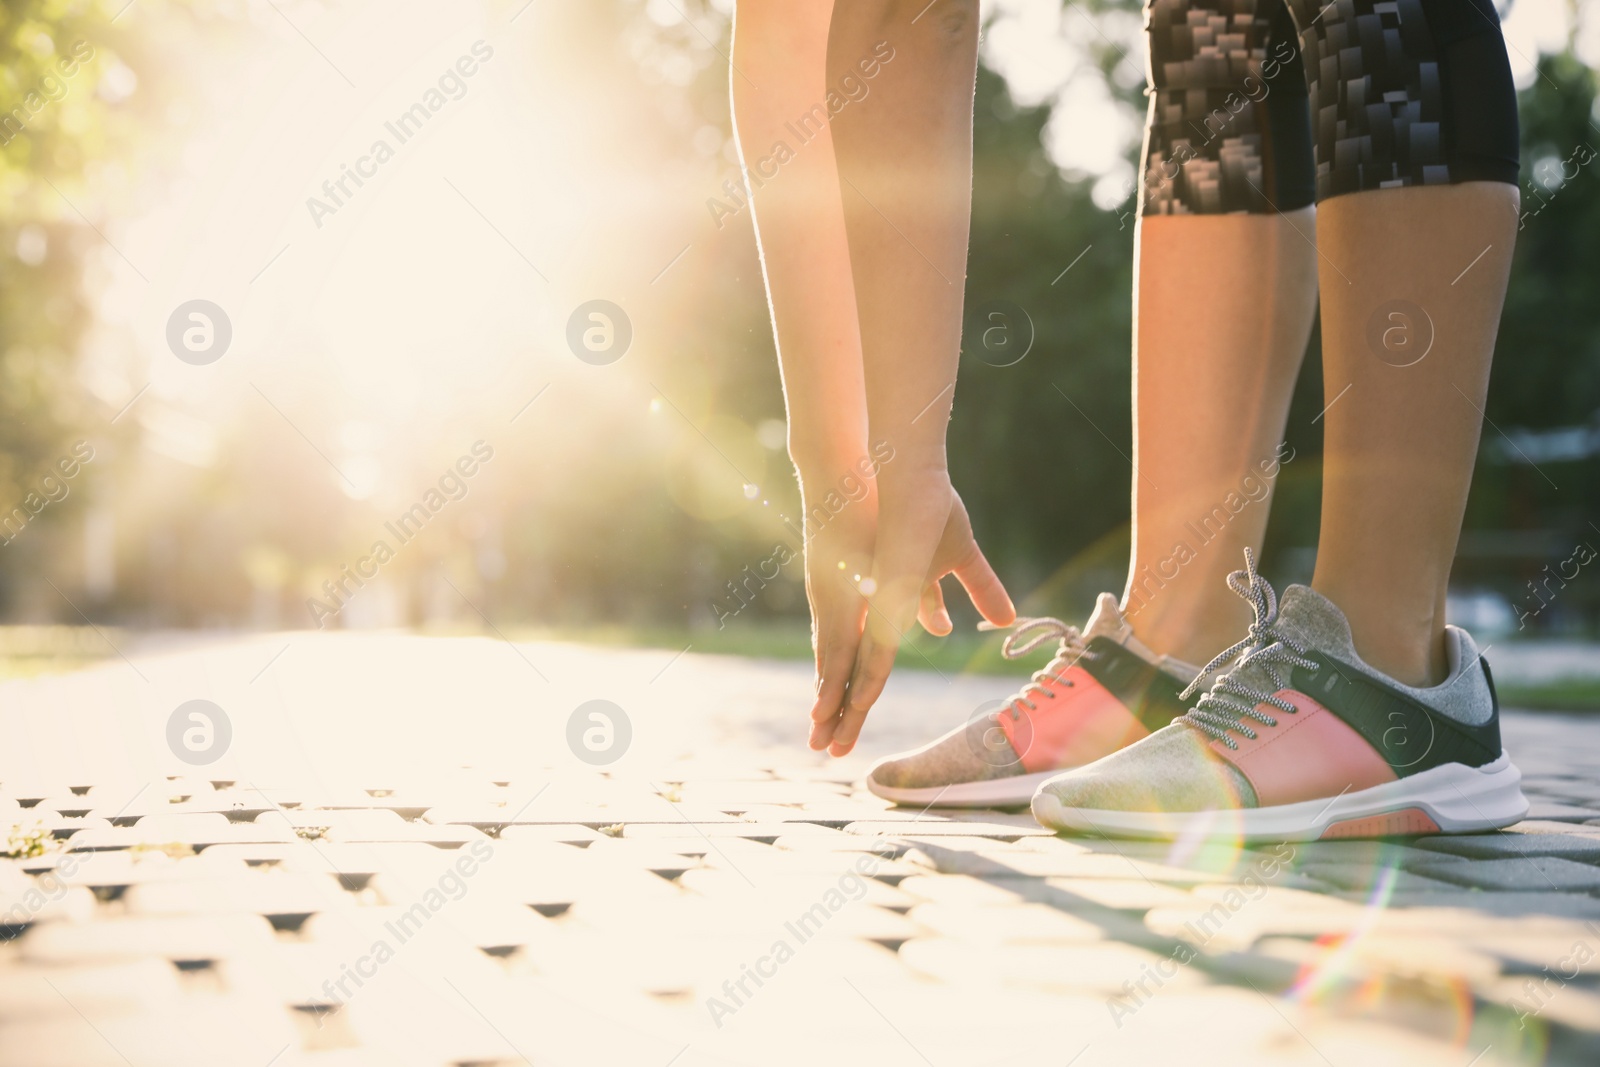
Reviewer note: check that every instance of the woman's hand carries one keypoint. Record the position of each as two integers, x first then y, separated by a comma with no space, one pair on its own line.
923,533
838,553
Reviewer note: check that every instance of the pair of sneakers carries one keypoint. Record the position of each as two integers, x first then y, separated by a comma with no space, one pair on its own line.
1298,740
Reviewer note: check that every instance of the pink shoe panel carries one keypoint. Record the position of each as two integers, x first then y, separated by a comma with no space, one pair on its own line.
1307,756
1083,723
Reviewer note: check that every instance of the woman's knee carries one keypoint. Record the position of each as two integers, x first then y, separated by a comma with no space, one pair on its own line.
955,21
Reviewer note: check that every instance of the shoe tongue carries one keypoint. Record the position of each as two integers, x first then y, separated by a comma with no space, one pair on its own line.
1316,622
1308,617
1108,621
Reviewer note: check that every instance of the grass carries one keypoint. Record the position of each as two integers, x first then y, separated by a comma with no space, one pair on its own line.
962,653
28,651
1565,694
23,843
966,652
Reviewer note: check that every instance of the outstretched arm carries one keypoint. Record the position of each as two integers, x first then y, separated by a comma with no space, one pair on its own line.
829,148
779,97
905,174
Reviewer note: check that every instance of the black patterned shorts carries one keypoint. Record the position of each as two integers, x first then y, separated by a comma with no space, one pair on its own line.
1271,105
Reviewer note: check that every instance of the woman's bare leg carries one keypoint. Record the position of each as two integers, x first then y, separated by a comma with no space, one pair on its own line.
1414,266
1223,310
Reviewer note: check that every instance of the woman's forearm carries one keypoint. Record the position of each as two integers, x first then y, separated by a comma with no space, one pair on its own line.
905,173
785,140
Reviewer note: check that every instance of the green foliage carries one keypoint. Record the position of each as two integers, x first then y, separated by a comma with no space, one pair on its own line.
1038,448
1547,359
85,97
1547,366
53,55
52,124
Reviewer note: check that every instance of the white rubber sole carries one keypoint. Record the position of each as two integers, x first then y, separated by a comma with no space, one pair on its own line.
1014,792
1451,799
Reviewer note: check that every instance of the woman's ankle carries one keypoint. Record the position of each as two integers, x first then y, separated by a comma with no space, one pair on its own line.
1406,645
1192,631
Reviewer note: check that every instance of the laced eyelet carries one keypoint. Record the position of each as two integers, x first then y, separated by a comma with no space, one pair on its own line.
1029,634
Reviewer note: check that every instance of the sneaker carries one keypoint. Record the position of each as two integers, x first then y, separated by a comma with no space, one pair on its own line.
1301,740
1103,690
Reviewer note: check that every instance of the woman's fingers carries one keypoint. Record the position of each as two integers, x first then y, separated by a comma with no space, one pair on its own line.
907,540
931,611
839,613
874,661
858,635
831,688
889,615
821,735
837,658
983,586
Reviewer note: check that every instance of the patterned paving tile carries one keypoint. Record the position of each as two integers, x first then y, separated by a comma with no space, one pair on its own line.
406,891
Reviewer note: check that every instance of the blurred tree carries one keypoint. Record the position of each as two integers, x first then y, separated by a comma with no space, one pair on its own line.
1537,491
86,97
1040,444
51,126
1039,447
66,94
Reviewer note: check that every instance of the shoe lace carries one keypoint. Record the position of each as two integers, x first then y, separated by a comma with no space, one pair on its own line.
1266,648
1028,634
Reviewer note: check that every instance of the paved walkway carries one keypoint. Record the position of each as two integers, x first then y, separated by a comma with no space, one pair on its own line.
407,851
